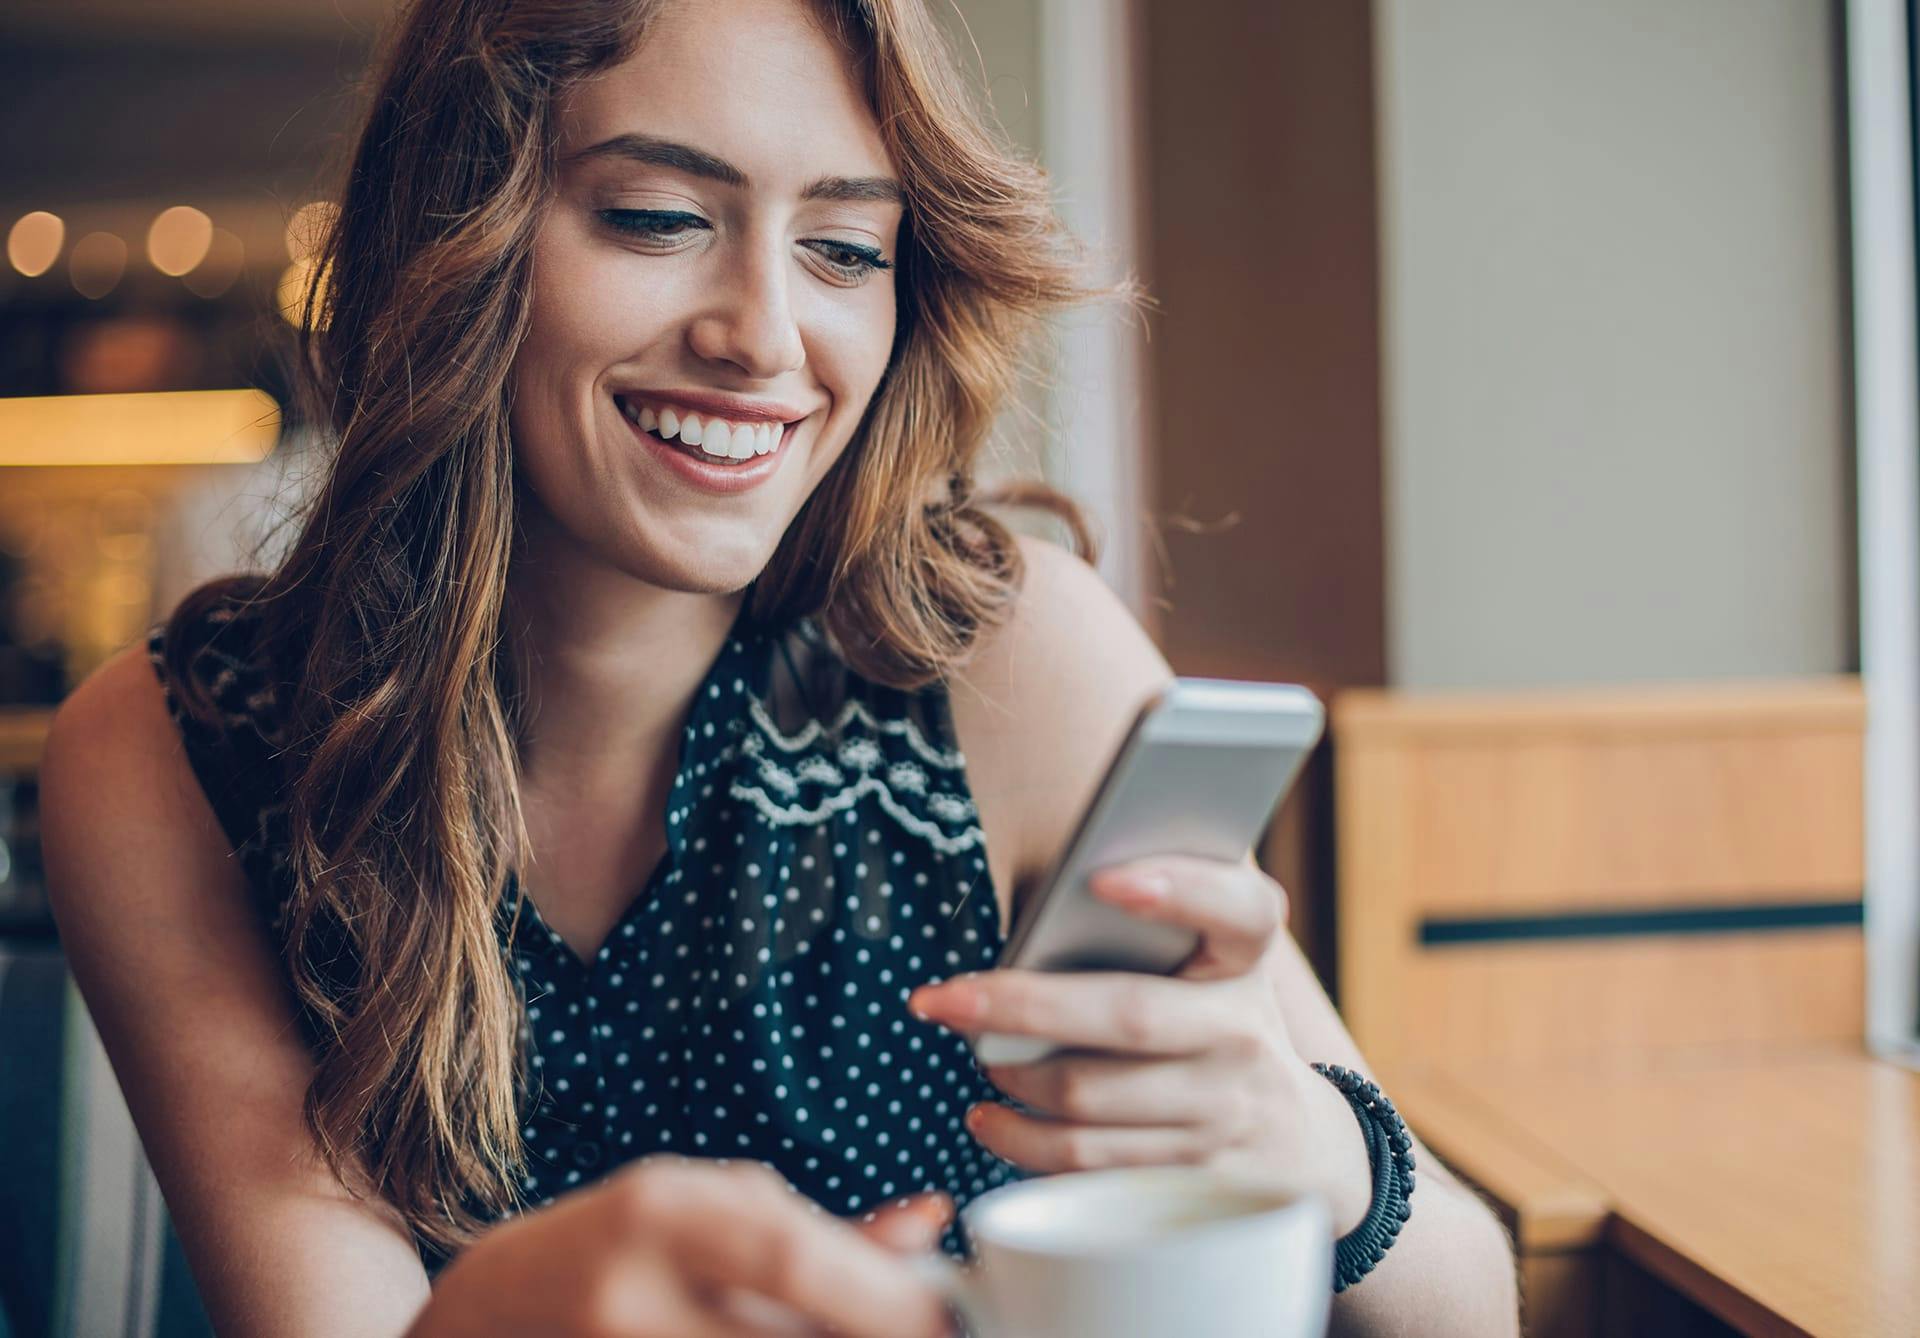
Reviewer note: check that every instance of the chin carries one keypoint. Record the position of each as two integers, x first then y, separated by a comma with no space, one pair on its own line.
706,566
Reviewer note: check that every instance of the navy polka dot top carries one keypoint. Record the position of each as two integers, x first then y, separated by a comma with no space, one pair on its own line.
823,859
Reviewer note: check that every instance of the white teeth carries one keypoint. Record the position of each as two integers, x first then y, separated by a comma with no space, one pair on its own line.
714,436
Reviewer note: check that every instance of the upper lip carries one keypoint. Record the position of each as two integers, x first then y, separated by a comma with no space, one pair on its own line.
732,408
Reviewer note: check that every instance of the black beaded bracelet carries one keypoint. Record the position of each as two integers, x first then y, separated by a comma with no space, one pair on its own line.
1390,1155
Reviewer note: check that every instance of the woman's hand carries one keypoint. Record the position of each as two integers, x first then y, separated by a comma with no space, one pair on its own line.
686,1249
1194,1068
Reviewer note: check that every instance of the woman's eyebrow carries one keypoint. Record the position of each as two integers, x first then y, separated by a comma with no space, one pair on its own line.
657,152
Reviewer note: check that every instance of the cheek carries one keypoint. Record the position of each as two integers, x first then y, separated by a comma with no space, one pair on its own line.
862,333
590,310
549,449
847,347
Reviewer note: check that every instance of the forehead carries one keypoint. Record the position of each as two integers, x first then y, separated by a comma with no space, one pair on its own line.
758,82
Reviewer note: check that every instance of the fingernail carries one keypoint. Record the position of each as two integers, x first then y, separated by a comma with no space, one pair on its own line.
952,1001
1140,889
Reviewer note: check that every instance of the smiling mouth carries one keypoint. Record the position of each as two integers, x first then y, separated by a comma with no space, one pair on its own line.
711,440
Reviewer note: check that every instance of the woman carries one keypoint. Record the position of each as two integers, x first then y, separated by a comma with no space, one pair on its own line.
644,712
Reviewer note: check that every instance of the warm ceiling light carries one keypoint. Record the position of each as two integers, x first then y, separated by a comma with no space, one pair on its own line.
225,258
308,228
175,427
97,262
178,239
33,244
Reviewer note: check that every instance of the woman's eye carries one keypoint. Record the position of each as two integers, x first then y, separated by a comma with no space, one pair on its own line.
846,259
850,261
660,224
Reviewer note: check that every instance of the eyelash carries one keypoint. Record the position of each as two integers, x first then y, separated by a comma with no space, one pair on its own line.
651,223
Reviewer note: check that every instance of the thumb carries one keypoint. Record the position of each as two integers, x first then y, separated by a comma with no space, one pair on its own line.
908,1226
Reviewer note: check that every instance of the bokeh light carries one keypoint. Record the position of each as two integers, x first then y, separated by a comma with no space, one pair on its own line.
226,257
291,292
97,262
178,239
308,228
33,243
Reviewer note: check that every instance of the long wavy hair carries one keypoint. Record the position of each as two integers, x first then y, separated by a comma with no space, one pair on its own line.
384,620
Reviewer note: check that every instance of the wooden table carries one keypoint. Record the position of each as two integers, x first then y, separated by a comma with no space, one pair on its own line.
1779,1191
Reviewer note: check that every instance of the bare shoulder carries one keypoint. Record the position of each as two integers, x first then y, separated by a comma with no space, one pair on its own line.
114,778
1043,702
130,842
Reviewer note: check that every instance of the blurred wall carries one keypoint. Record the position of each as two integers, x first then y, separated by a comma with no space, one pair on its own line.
1265,442
1063,78
1263,460
997,42
996,45
1614,340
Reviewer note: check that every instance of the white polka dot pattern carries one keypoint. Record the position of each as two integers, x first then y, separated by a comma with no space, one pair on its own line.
751,1002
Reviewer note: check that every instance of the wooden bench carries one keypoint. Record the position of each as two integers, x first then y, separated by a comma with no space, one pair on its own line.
1558,909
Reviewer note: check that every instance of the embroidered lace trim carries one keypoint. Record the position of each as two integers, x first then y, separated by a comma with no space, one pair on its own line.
850,774
946,760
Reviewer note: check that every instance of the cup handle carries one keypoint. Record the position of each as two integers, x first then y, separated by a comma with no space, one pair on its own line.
957,1287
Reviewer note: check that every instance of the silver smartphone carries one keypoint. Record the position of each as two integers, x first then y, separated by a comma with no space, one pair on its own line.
1200,773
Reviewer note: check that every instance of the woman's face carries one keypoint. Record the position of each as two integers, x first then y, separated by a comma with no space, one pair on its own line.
724,202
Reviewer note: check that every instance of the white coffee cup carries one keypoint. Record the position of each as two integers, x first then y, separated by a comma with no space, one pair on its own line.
1156,1252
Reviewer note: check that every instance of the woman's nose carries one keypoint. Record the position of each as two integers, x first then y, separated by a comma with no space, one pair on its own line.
750,323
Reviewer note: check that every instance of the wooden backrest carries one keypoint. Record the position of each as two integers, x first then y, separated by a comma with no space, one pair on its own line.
1587,874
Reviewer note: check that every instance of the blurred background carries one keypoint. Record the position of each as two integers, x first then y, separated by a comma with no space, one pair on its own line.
1531,378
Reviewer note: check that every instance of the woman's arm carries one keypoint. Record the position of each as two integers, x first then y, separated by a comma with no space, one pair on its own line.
1039,712
1452,1269
171,954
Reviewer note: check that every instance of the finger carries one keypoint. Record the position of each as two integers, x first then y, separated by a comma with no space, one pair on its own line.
1049,1146
1084,1010
748,1230
1235,908
744,1315
1100,1089
908,1226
